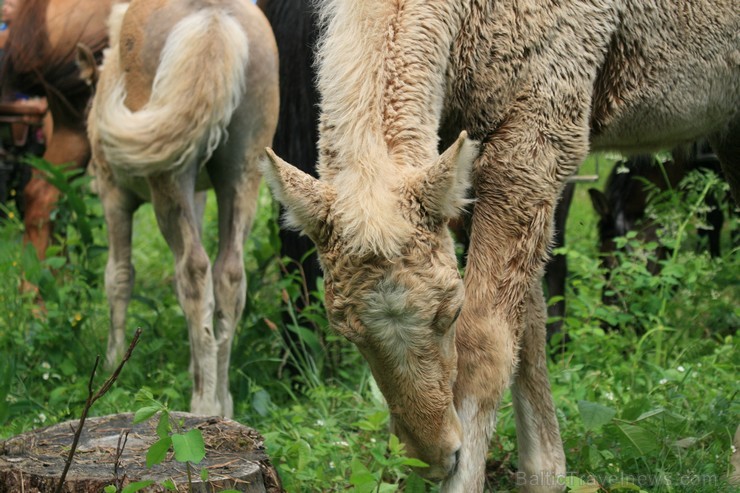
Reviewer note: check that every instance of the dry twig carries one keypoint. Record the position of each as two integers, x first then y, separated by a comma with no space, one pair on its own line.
91,398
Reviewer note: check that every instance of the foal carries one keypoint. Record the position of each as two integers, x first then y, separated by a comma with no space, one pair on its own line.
187,99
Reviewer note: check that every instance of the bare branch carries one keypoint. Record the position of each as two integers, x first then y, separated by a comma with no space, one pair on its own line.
91,398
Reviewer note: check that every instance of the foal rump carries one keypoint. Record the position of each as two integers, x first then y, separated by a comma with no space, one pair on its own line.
195,88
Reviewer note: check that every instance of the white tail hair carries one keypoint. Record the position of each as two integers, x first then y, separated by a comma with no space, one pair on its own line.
199,83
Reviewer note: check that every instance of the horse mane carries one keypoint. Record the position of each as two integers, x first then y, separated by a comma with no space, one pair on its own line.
25,49
34,67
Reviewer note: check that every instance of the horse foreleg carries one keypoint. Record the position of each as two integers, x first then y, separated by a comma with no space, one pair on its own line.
517,179
541,458
119,207
174,208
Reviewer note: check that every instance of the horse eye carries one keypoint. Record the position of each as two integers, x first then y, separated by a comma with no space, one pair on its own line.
443,322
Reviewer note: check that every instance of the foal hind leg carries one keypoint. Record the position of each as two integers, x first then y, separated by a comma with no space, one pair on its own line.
237,203
175,209
119,207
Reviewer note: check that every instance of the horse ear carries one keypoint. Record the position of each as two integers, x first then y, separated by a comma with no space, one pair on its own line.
598,199
307,200
442,191
88,66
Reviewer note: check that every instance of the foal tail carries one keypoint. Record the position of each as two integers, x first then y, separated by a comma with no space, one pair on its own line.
199,83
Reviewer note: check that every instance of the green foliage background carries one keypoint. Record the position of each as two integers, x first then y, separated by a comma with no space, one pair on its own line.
651,406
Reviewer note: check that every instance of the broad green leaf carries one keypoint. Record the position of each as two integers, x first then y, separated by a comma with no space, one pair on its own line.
302,451
586,488
189,447
261,402
158,451
164,427
55,262
204,474
110,489
169,485
595,415
414,484
137,486
639,438
410,461
623,485
394,444
573,482
144,413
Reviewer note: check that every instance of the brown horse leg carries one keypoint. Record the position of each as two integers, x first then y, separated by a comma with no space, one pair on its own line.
65,146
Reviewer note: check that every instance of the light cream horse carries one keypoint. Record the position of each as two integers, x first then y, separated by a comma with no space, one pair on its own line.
538,84
187,99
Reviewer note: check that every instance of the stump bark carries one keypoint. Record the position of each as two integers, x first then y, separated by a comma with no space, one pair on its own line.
235,457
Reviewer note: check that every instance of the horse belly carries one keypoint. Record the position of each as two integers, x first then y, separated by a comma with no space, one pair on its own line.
668,77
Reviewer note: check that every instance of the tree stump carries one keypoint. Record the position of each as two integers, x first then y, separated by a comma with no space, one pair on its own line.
235,457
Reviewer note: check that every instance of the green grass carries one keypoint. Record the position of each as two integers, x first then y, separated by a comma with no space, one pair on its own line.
654,404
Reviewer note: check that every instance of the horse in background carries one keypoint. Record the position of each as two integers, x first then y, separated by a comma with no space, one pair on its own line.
187,100
295,26
39,60
622,205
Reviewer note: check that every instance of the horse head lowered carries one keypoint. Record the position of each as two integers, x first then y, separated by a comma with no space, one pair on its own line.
392,285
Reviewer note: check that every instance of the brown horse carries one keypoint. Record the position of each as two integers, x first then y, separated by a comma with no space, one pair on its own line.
187,100
538,85
40,60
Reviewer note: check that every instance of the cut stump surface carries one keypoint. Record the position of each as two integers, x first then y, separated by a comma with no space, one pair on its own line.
235,457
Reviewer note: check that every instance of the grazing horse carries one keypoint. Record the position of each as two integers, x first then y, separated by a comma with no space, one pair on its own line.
537,85
295,24
187,100
40,60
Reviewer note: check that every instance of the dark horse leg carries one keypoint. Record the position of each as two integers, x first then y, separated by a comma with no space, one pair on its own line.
727,146
556,270
295,25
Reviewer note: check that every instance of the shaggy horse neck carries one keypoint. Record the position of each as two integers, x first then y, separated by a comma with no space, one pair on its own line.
381,106
383,95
